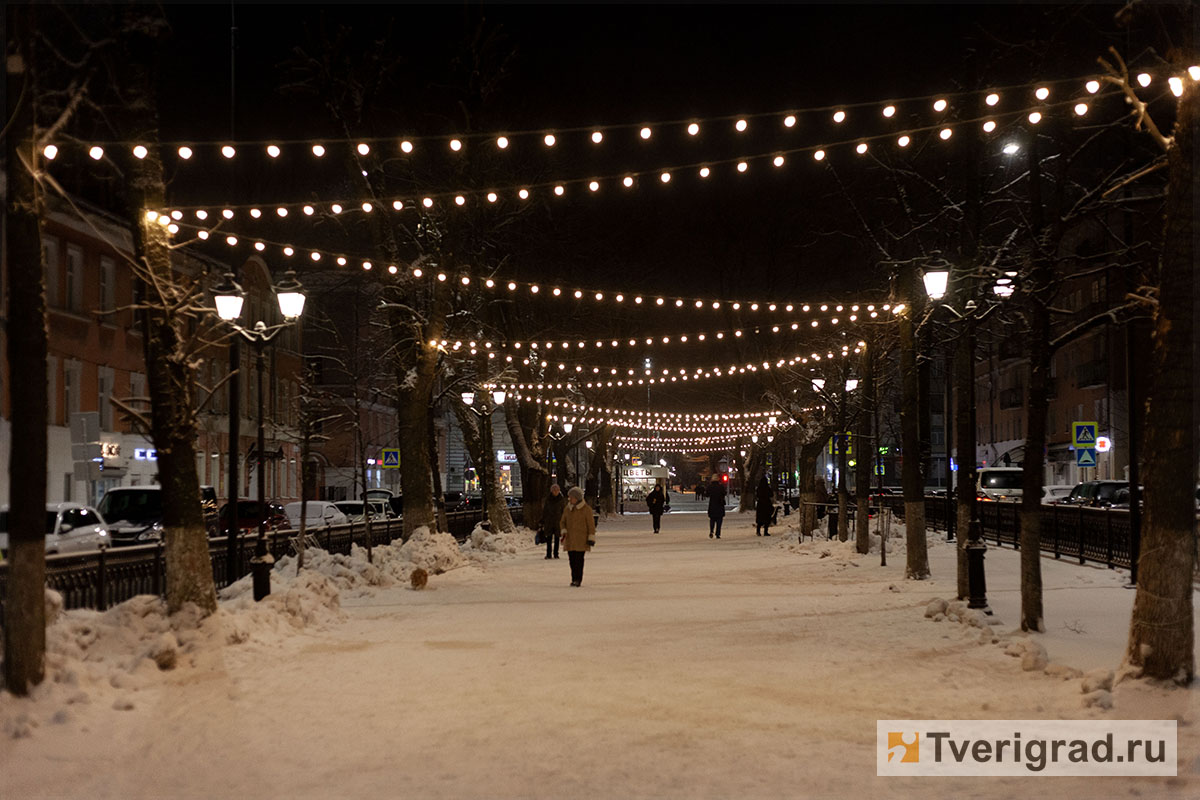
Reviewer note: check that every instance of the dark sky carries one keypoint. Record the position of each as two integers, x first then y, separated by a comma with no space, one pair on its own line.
786,235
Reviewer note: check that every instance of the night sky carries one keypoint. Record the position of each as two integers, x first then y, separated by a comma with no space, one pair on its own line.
782,234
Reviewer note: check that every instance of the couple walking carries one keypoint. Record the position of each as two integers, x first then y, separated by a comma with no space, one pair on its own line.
571,519
764,508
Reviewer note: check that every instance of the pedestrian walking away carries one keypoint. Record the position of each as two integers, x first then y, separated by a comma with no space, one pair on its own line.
764,507
552,511
578,532
716,508
655,501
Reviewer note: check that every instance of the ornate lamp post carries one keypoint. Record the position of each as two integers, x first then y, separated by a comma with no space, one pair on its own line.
229,298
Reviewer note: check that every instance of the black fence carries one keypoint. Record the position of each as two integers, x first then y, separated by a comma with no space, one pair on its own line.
101,578
1100,535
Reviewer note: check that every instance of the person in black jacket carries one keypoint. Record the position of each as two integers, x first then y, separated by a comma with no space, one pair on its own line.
552,511
764,507
716,508
655,502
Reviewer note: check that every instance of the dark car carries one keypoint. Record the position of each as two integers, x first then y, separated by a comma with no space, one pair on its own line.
249,512
1095,493
134,514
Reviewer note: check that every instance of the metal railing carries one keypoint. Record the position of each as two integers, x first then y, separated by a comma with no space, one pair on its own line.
101,578
1099,535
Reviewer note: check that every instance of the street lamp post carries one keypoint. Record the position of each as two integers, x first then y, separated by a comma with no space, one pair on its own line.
229,299
936,282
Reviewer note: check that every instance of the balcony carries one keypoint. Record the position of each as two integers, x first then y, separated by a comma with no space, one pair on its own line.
1092,373
1012,398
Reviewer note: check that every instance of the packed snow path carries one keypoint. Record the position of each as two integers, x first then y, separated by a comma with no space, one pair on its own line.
683,667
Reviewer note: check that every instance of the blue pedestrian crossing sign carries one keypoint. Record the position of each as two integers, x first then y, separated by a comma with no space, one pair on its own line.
1083,434
1085,457
391,458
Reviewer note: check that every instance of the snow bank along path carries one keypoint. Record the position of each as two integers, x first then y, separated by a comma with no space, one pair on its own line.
683,667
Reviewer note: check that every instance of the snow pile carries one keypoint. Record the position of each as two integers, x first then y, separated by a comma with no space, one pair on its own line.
486,544
789,537
433,552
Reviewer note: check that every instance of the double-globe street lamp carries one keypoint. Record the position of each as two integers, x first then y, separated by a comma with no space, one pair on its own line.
229,298
936,284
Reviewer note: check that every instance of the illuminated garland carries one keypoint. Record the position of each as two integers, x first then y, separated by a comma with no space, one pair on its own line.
747,429
550,138
523,192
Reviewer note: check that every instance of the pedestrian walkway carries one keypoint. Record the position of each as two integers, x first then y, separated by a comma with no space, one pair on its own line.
684,667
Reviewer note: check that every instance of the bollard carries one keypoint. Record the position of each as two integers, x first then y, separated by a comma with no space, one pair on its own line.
101,582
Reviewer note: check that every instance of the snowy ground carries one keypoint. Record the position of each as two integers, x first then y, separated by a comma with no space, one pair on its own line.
683,667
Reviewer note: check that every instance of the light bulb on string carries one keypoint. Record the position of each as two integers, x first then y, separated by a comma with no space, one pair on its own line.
903,141
549,139
1176,85
318,150
96,152
839,116
992,99
1144,79
989,126
1035,117
140,152
740,125
598,137
363,148
889,111
1092,87
704,172
628,181
455,145
939,105
644,133
502,142
693,129
406,146
1042,93
185,152
1081,109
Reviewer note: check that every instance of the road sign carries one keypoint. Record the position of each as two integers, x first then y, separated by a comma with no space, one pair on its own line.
1085,457
840,441
1083,434
391,458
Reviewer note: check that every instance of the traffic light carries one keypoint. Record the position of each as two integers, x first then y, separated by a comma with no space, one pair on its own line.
725,478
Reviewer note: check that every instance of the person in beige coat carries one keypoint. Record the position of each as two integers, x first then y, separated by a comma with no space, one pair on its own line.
578,532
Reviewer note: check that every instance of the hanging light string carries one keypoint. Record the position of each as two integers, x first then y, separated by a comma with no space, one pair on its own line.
675,442
523,192
668,416
836,310
683,375
319,147
747,429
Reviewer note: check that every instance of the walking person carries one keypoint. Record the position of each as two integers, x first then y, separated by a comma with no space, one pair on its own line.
552,511
655,501
764,507
578,532
716,508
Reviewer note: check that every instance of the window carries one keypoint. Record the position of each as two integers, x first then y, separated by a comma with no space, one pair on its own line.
108,285
72,382
137,385
51,390
50,257
74,286
104,390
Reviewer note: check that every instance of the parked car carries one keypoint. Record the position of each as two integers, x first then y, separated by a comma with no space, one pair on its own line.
318,514
134,513
70,528
250,511
355,509
1056,492
1000,483
1095,493
208,504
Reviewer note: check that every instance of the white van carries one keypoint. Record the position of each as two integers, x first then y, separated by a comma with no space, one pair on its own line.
319,513
1000,483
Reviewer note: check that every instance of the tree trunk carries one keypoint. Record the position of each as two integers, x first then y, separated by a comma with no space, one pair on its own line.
417,364
1036,403
477,436
754,468
843,461
917,561
525,430
25,623
1162,628
435,474
170,372
809,453
864,448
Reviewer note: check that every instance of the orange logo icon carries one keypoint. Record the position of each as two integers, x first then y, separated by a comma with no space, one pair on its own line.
905,745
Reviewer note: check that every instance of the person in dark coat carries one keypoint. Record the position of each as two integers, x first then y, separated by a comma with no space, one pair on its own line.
655,502
552,511
764,507
716,508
